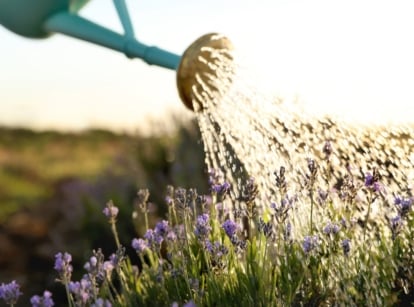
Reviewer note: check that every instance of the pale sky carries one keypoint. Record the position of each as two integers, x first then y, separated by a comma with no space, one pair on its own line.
350,58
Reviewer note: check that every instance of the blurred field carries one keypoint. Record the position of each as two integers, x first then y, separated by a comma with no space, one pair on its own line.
53,187
32,162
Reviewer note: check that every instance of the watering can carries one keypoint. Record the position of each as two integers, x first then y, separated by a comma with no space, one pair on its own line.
42,18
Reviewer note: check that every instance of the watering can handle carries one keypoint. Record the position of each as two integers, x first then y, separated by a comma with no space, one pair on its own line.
123,14
79,27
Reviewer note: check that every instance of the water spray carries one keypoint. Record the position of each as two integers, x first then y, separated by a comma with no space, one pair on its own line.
42,18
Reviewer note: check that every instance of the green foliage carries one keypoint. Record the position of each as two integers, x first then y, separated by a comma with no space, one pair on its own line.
368,259
270,269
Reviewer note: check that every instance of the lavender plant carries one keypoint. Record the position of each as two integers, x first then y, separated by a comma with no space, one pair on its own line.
356,248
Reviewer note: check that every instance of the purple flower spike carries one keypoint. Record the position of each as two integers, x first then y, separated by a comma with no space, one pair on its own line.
230,227
42,301
139,245
110,211
346,246
327,149
202,228
10,292
216,183
396,224
63,266
221,188
369,179
403,204
162,228
331,229
82,290
154,238
372,181
310,243
100,302
190,304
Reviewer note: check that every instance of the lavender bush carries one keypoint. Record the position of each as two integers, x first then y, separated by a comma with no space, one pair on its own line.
355,248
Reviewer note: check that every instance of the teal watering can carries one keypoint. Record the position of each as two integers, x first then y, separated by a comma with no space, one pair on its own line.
42,18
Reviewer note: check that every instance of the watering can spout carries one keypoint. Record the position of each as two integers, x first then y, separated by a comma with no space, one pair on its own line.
49,16
79,27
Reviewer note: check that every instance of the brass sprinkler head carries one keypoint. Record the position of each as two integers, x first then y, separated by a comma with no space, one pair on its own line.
191,67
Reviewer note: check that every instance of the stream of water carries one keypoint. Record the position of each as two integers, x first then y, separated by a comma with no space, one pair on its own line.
247,134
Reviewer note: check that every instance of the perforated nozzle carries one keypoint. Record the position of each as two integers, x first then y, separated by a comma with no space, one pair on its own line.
191,67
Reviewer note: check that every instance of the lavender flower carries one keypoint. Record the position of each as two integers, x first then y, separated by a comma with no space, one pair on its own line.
396,224
217,248
171,236
310,243
142,199
95,267
282,210
202,227
281,183
110,211
162,228
222,209
230,227
217,253
250,191
107,268
214,177
180,198
82,290
10,292
287,234
153,238
221,188
91,265
116,259
100,302
266,228
403,205
42,301
327,149
346,246
176,272
331,228
369,179
372,181
188,304
169,198
139,245
313,172
343,222
63,266
216,183
149,235
322,196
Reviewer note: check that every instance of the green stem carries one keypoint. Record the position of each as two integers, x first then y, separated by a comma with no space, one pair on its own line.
367,216
115,233
311,211
263,264
68,295
146,218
